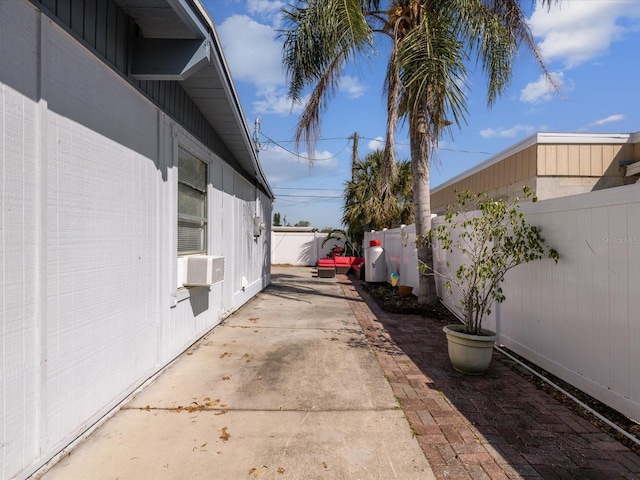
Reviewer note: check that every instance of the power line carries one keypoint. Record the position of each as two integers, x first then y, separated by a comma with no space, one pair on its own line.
303,157
447,149
307,189
309,196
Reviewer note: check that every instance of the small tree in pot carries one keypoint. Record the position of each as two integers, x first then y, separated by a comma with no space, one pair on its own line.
492,241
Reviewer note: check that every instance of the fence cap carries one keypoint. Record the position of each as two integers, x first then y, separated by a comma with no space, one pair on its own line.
374,243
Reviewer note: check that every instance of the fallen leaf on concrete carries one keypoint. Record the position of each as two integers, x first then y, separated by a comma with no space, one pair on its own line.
324,464
257,472
226,377
212,403
225,354
254,319
281,470
225,435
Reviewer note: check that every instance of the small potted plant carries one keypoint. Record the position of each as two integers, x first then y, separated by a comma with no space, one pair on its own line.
492,237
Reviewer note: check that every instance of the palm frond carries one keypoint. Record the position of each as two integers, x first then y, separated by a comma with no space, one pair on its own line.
320,37
432,68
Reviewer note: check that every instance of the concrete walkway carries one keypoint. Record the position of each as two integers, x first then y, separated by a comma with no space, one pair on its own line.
290,387
287,388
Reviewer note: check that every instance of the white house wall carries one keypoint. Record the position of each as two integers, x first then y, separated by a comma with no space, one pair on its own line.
20,281
90,304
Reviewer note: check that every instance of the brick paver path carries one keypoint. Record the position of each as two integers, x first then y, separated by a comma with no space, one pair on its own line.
496,426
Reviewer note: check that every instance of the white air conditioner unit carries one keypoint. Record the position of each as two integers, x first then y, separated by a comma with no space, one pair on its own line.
204,270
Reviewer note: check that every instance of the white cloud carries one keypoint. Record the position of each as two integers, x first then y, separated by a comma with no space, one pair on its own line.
611,118
276,101
265,8
376,144
253,56
351,86
575,31
541,90
507,132
281,165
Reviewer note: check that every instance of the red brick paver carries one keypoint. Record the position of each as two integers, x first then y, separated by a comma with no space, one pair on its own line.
496,426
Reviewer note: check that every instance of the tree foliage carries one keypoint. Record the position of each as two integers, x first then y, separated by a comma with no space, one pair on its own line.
492,237
432,45
363,207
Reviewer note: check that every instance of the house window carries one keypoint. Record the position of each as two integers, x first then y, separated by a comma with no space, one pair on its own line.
192,204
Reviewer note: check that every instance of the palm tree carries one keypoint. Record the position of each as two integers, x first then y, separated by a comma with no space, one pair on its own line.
432,44
363,207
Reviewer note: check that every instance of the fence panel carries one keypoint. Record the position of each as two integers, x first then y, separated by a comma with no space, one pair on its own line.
578,318
299,248
400,253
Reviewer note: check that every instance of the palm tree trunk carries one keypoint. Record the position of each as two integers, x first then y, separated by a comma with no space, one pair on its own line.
420,150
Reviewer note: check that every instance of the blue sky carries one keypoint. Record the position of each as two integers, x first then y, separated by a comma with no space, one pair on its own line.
590,46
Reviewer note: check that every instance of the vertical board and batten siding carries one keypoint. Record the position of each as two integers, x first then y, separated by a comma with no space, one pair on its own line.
582,160
519,167
100,23
90,307
578,318
572,160
108,31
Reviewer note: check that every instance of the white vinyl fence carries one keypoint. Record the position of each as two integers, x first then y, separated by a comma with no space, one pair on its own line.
580,318
300,248
399,252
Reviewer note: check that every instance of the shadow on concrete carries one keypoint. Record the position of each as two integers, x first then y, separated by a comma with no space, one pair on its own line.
294,287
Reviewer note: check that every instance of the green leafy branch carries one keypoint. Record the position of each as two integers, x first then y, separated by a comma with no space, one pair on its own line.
492,237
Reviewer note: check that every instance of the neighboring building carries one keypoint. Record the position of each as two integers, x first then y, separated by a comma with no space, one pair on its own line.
124,155
552,164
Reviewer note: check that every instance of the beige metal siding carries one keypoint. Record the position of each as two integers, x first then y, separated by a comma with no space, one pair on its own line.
574,160
516,168
579,164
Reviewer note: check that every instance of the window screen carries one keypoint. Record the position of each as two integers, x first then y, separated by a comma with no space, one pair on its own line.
192,204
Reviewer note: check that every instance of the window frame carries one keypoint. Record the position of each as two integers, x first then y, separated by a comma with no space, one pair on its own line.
204,220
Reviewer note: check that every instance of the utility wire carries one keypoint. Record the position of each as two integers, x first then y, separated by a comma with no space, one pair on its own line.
309,159
309,189
447,149
310,196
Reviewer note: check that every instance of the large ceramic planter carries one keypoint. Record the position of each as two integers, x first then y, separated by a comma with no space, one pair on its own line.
470,354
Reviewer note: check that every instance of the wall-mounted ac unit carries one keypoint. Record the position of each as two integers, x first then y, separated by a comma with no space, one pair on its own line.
204,270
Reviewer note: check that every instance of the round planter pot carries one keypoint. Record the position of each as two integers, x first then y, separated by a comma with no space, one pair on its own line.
404,291
470,354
